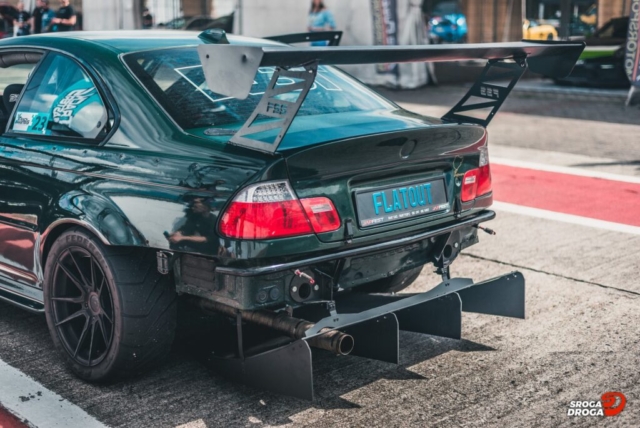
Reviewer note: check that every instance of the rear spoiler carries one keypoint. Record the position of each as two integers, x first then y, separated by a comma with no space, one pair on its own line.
234,76
332,38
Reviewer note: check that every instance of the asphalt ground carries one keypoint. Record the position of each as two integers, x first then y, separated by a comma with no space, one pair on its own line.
579,340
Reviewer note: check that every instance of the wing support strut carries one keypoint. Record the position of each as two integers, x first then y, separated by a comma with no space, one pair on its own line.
273,105
491,95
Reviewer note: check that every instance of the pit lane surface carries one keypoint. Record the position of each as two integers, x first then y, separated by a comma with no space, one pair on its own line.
580,339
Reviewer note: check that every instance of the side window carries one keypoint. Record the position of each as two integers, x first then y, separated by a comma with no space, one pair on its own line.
12,81
61,100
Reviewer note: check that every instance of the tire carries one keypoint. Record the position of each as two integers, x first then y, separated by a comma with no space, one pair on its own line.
395,283
127,310
549,36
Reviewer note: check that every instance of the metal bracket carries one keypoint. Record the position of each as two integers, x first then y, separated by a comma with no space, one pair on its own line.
273,106
503,296
162,260
439,317
496,94
286,370
376,339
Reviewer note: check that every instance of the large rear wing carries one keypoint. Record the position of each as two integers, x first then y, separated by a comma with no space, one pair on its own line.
230,70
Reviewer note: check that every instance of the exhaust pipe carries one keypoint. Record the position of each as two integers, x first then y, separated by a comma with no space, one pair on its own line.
333,341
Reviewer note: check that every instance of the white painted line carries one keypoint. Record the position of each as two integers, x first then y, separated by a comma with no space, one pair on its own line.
565,170
566,218
27,399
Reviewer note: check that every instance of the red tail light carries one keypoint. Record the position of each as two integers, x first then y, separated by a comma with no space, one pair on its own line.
322,214
272,210
477,182
469,186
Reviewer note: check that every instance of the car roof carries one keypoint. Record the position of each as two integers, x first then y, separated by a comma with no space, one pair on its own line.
131,41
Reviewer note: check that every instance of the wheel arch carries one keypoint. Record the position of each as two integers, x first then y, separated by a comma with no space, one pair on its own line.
57,228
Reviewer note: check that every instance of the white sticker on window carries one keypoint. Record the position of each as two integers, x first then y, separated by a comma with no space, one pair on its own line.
23,121
65,109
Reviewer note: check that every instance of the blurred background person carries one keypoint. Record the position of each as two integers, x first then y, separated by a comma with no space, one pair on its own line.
42,16
147,19
65,19
320,19
22,21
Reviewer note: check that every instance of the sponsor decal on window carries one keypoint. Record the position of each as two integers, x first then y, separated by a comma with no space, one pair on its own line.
30,122
65,109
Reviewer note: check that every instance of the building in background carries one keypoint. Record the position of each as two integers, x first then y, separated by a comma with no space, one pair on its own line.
486,20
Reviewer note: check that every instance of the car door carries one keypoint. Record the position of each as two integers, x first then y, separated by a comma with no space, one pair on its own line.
60,105
18,202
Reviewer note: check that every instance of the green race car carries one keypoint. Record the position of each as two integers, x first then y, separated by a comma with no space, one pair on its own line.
246,177
602,62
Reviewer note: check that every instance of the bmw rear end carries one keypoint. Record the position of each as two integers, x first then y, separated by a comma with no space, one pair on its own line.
359,190
356,195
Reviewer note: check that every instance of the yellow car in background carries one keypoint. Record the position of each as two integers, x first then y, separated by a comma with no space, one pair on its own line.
531,30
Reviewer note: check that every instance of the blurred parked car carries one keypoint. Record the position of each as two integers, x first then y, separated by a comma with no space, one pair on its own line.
176,23
448,23
199,23
602,62
578,30
223,23
532,30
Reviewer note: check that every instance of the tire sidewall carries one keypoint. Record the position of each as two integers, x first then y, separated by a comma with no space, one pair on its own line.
75,238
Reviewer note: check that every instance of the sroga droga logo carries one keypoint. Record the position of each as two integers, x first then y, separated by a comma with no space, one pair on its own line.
610,404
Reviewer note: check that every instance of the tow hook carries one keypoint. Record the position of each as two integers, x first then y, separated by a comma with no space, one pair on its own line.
305,276
486,230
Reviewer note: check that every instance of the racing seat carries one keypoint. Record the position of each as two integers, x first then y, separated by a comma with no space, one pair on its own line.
9,98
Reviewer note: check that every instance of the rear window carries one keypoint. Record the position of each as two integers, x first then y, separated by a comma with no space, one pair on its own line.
176,79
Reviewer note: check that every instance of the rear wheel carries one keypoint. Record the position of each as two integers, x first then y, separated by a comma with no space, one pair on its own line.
395,283
108,309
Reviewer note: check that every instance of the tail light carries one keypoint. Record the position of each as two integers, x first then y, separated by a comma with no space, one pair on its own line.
272,210
477,182
322,214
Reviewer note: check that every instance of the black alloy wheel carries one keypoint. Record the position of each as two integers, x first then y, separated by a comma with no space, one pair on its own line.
82,306
109,310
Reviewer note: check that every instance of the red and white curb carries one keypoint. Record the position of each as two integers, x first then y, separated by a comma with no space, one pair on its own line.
39,407
565,218
589,198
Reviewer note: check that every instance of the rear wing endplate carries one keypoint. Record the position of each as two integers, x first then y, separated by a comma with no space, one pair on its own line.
234,75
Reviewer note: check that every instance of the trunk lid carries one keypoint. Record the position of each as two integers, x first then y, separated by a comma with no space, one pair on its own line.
388,182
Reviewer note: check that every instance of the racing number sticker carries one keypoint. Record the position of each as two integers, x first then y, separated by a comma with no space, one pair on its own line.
39,124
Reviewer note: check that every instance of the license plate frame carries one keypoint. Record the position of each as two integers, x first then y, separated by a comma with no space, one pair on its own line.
374,209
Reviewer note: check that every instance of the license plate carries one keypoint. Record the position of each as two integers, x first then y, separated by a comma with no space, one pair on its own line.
401,202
